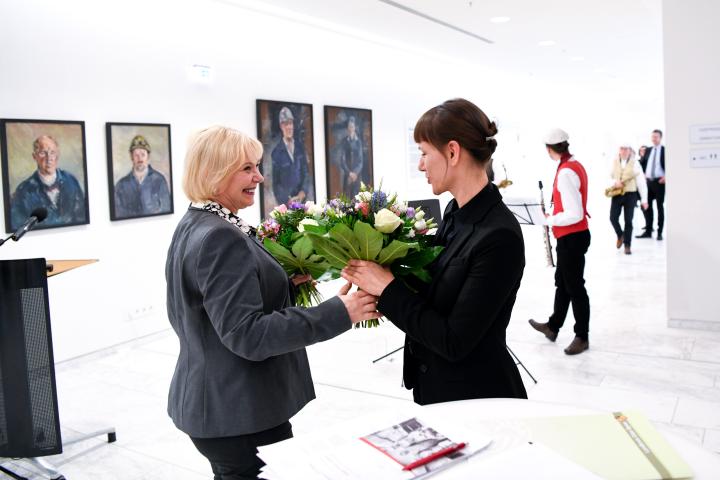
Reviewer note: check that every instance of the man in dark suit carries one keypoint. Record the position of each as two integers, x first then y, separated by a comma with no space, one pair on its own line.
653,164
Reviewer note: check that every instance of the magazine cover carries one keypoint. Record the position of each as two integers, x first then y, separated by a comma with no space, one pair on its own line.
410,442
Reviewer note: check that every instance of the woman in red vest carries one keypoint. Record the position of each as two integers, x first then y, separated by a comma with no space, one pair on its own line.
570,227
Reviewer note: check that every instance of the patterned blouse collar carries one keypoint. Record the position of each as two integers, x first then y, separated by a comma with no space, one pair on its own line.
227,215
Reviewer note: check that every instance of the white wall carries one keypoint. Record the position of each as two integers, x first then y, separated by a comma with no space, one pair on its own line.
691,98
127,61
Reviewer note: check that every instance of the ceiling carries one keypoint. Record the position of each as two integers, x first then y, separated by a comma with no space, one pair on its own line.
610,46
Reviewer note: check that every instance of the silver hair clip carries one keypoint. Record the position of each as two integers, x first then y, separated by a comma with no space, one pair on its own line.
490,138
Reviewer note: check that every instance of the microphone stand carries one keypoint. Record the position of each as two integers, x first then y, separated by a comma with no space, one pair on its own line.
3,240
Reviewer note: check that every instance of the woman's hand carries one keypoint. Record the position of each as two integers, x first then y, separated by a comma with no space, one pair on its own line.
368,276
644,205
618,184
300,279
360,305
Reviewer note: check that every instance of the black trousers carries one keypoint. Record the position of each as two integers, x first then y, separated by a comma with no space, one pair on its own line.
656,192
626,203
570,284
235,458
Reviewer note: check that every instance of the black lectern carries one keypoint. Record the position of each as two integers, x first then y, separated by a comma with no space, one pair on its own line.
29,420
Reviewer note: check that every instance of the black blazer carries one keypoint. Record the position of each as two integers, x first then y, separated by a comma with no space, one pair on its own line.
646,157
455,345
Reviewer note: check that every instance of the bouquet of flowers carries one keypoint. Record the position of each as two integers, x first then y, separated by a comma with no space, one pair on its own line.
321,239
282,235
377,227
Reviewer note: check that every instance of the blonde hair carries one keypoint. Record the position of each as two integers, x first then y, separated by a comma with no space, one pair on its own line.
213,154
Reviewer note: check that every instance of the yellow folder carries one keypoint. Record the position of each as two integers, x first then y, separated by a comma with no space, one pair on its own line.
619,445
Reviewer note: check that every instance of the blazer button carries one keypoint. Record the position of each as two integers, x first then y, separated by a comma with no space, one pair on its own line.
423,368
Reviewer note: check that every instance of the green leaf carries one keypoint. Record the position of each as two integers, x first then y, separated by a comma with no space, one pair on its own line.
333,253
317,270
302,248
392,252
421,258
371,240
319,229
346,239
282,255
422,275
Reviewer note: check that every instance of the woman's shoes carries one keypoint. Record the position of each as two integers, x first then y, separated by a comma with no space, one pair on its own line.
619,242
627,250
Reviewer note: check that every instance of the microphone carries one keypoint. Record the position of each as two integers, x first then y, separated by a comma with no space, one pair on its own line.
36,216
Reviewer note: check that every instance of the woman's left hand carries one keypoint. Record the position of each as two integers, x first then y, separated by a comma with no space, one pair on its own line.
300,279
368,276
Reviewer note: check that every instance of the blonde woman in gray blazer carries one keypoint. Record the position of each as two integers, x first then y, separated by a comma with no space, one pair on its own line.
242,371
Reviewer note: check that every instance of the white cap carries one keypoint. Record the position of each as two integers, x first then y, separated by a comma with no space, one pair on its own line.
626,144
555,136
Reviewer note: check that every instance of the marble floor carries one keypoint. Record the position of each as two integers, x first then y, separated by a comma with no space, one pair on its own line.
635,362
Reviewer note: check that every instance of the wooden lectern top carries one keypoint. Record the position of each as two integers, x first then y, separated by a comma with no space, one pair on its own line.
55,267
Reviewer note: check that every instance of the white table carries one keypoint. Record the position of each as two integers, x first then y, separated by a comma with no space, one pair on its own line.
476,413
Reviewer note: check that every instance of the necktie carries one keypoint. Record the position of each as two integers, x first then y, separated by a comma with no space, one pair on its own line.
653,170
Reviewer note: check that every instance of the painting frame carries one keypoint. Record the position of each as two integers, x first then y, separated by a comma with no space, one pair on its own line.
68,206
339,145
270,134
127,202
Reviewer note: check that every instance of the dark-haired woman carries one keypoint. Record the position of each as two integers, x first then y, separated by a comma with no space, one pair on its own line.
455,343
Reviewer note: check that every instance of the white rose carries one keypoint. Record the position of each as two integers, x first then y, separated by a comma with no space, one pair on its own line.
386,221
401,207
363,196
314,209
411,234
306,221
419,215
420,225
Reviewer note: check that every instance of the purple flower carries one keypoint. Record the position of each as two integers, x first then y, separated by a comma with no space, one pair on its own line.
296,206
378,201
410,212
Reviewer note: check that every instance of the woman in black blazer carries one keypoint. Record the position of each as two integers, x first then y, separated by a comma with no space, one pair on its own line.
455,344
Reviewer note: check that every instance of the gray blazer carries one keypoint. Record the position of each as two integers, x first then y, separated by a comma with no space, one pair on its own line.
242,366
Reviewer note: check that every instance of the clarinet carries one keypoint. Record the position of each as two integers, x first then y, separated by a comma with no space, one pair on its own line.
546,231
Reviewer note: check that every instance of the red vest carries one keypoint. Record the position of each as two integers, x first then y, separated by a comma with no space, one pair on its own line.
557,201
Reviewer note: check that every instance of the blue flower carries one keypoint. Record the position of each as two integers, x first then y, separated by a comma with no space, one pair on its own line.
378,201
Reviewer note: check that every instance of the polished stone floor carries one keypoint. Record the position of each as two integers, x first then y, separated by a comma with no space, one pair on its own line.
635,362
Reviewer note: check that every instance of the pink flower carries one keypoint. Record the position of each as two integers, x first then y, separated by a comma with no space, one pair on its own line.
281,208
364,207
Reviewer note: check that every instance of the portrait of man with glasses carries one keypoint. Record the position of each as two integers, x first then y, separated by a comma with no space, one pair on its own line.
48,185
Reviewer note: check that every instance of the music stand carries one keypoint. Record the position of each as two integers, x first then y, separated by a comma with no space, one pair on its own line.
528,211
30,426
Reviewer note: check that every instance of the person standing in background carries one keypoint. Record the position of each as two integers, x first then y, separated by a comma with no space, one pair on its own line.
626,174
653,163
570,227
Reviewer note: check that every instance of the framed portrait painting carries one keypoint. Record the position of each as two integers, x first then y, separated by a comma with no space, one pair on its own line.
139,170
44,166
288,165
348,150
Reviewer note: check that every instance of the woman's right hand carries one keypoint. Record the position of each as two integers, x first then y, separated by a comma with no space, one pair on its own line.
618,184
360,305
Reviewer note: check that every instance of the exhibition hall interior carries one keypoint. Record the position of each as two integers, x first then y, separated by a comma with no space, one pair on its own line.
522,192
